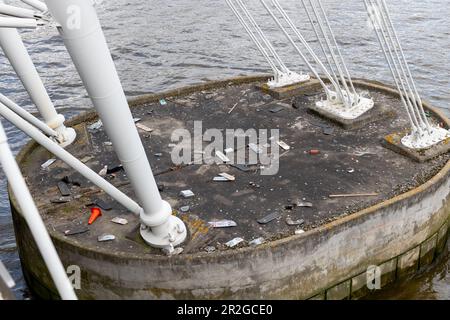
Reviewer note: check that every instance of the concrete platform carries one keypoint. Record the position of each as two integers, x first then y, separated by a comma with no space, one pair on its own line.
342,235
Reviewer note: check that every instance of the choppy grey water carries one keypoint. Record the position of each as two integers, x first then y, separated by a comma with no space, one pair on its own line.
158,45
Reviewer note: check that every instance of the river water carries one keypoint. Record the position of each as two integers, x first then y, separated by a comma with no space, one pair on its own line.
158,45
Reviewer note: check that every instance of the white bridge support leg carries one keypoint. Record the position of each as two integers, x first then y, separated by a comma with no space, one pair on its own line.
34,220
85,41
17,54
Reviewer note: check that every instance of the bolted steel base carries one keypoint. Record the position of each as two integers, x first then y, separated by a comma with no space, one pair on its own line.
68,136
426,139
339,110
175,235
286,79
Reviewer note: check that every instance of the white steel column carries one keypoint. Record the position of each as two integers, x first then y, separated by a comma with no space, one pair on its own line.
85,41
34,220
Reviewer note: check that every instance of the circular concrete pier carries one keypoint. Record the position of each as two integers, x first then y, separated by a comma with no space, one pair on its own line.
400,228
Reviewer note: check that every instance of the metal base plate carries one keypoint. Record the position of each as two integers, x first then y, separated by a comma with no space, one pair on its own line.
339,110
425,140
176,235
287,79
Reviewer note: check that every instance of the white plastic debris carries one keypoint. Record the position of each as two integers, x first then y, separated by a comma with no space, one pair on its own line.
136,120
120,221
220,179
257,242
300,231
227,176
106,237
103,172
222,224
108,143
229,150
283,145
185,209
222,157
143,127
47,164
233,243
187,193
96,125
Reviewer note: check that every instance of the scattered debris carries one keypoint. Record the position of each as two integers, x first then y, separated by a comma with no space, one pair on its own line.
95,214
227,176
350,170
103,172
353,195
283,145
120,221
304,204
314,152
162,102
187,194
136,120
300,231
254,185
277,109
158,155
222,224
87,159
64,189
170,251
291,222
255,148
76,230
269,218
102,204
114,170
106,237
222,157
210,249
328,131
47,164
108,143
220,179
233,243
257,242
96,125
185,209
68,180
234,107
61,200
229,150
143,127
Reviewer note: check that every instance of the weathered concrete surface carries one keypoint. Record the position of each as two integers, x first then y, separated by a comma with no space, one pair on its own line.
291,267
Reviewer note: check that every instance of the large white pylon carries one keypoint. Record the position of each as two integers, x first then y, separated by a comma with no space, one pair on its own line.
424,135
344,102
282,75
